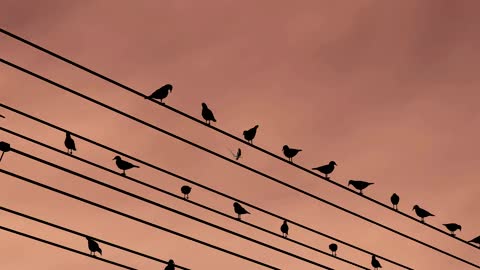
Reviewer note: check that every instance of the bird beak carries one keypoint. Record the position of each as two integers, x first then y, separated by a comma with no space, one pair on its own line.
113,159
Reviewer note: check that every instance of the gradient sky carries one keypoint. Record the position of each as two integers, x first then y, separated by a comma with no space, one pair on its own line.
387,89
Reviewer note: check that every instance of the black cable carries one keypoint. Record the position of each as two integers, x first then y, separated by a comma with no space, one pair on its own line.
180,197
135,218
234,162
194,183
131,90
84,235
65,248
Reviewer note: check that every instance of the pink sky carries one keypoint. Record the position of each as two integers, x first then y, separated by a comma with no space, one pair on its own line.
387,90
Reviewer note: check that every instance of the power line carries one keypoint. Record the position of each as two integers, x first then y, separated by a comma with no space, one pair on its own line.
234,162
84,235
181,198
28,180
131,90
64,247
169,208
193,182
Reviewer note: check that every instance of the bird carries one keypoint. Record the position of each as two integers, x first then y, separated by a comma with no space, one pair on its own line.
239,210
207,114
290,152
360,185
395,199
326,169
284,229
238,155
93,246
170,265
69,143
161,92
333,248
375,263
249,135
422,213
476,240
452,227
186,190
124,165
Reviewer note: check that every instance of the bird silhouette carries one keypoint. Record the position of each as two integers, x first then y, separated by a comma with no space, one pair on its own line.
284,229
161,92
207,114
422,213
452,227
93,246
333,248
476,240
238,155
395,199
124,165
69,143
326,169
360,185
170,265
249,135
239,210
185,190
290,152
375,263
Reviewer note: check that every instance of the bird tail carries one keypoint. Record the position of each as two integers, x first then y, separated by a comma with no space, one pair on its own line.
214,120
136,166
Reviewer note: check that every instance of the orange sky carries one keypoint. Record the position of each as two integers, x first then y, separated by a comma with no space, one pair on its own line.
387,90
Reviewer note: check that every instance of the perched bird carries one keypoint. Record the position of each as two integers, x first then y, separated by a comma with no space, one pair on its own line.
395,200
207,114
249,135
360,185
70,143
170,265
476,240
326,169
333,248
239,210
422,213
186,190
124,165
284,229
375,263
238,155
161,92
452,227
93,246
290,152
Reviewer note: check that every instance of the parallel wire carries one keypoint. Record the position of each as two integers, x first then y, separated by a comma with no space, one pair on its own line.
194,183
84,235
181,198
64,247
28,180
235,162
131,90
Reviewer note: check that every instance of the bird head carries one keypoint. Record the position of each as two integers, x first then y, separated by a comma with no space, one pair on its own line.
68,133
169,86
350,182
117,158
332,163
100,251
459,227
415,207
204,105
285,148
284,222
255,127
171,262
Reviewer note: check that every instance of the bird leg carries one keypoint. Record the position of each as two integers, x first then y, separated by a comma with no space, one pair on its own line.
239,217
123,173
423,221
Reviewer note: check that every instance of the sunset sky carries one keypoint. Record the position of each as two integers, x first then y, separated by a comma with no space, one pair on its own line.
387,89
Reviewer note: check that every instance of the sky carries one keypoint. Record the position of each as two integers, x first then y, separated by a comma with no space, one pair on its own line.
387,89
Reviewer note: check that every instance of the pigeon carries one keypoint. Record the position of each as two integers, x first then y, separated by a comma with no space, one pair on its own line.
207,114
124,165
476,240
452,227
290,152
326,169
237,155
284,229
360,185
161,92
93,246
239,210
186,190
69,143
170,265
375,263
333,248
249,135
422,213
395,200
